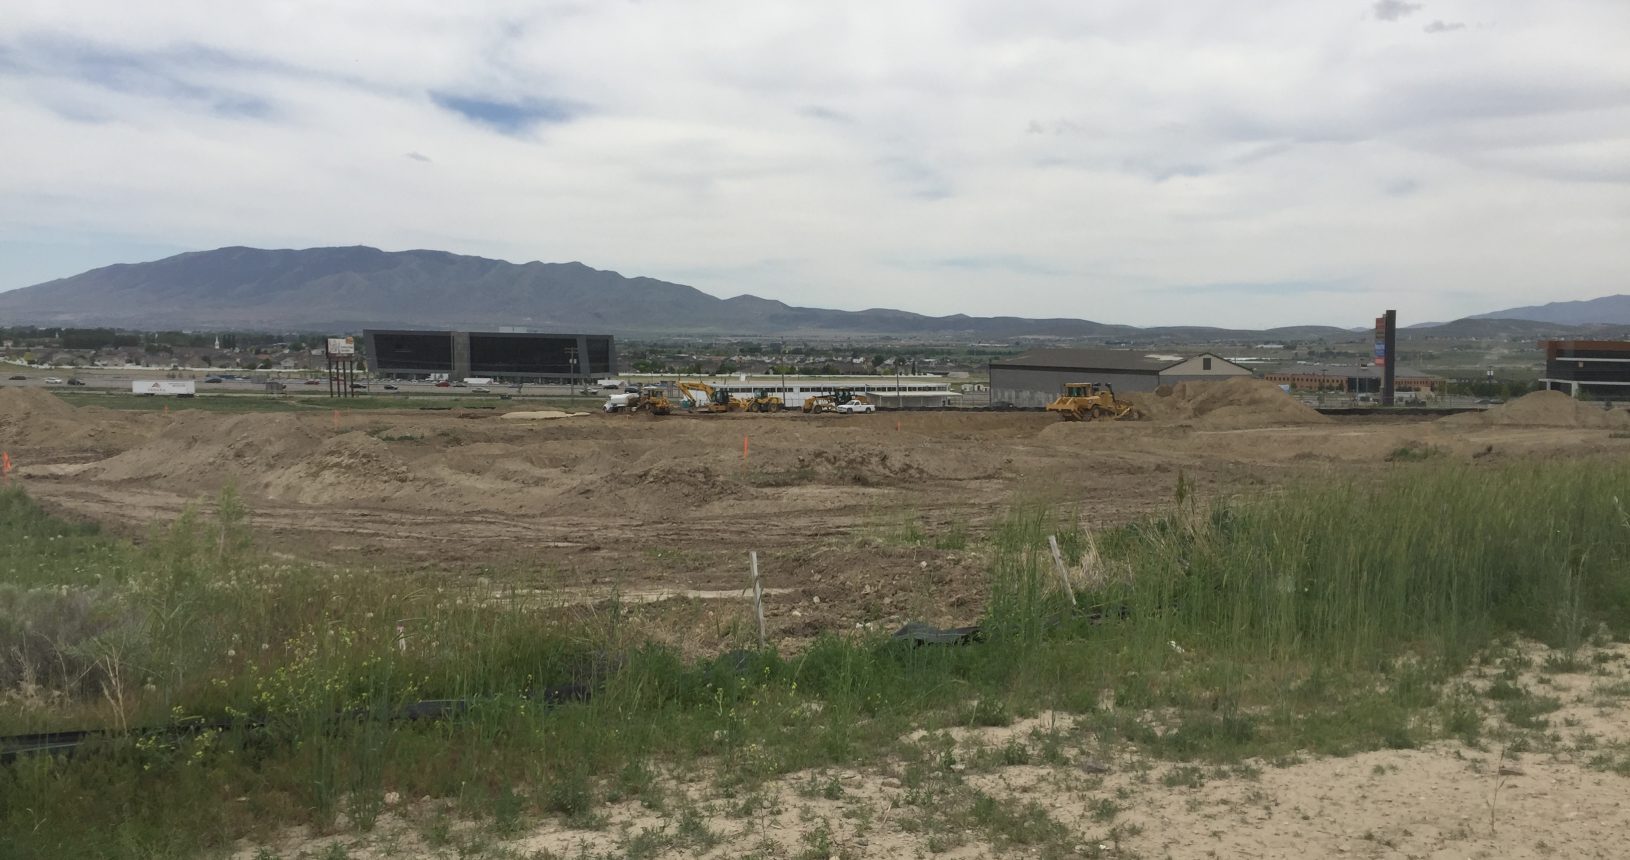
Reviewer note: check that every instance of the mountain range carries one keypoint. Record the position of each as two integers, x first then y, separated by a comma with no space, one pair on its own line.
348,288
1610,310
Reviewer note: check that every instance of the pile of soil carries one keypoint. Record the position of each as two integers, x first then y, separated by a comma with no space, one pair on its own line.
24,403
1544,409
866,467
36,420
1231,404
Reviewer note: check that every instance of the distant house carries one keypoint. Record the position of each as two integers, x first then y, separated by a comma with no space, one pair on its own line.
1037,377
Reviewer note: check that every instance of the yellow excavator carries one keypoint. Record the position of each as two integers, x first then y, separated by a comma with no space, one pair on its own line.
829,402
1091,401
706,398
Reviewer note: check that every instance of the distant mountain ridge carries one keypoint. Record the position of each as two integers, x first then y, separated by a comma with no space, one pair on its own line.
1606,310
349,288
345,288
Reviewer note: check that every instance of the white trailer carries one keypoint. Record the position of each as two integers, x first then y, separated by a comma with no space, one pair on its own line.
477,380
166,387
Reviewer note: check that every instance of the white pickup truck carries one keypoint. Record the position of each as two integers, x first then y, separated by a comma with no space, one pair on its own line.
855,407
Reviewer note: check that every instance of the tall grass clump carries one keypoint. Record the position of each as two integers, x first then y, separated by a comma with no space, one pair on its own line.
1349,574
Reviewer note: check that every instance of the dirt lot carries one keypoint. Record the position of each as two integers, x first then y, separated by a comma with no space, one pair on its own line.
862,519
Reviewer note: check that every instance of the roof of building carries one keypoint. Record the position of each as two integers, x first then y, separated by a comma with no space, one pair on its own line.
1126,360
1348,371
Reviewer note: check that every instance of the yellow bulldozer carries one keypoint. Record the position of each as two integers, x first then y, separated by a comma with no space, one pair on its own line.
1091,401
654,401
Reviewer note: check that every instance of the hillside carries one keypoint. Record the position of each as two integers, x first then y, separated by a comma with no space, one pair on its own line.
352,287
1510,329
342,288
1607,310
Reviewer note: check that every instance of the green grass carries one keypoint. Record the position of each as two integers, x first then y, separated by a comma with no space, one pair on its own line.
1328,618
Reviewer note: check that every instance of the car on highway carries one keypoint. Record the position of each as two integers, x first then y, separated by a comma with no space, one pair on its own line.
74,380
17,377
389,387
856,407
481,389
359,385
214,379
53,380
311,382
443,384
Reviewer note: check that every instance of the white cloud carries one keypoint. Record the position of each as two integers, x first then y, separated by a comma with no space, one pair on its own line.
1055,159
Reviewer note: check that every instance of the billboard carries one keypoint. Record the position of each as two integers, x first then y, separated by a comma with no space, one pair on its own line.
342,346
169,387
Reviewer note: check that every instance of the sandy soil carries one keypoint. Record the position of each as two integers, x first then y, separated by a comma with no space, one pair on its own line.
1447,800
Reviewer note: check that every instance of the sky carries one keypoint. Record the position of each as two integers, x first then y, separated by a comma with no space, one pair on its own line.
1150,162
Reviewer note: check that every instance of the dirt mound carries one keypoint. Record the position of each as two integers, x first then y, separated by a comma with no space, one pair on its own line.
36,420
696,483
1544,409
1230,404
348,467
860,466
207,452
26,404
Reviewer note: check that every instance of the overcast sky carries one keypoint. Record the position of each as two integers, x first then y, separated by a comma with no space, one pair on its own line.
1246,163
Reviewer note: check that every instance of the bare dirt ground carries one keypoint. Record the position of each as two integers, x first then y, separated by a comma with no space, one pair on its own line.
863,519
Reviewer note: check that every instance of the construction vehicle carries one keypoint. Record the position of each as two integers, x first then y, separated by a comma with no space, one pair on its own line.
830,402
1091,401
762,401
706,398
651,400
654,401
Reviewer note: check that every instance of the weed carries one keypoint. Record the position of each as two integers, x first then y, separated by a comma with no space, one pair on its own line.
1460,715
1183,776
1528,712
1104,810
986,713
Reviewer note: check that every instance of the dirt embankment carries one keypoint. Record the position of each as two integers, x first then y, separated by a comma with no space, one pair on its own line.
1230,404
1545,409
35,420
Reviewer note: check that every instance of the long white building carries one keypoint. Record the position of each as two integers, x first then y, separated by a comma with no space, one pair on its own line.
909,392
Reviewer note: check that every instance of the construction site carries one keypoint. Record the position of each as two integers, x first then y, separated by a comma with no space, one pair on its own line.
678,625
840,508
